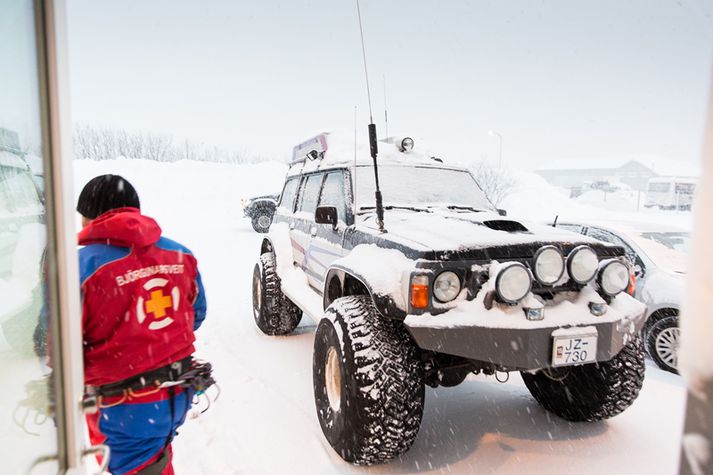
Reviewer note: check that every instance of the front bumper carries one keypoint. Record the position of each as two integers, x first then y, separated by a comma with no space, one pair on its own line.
504,338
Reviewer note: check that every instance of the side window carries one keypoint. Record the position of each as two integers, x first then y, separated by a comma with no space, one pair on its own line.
606,236
310,193
333,194
287,199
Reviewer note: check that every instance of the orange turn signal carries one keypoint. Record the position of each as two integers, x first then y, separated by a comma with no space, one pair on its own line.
632,285
419,291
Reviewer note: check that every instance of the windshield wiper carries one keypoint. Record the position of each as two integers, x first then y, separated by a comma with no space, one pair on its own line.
465,208
390,207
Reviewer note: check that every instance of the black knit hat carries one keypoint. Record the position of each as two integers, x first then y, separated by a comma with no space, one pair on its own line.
105,193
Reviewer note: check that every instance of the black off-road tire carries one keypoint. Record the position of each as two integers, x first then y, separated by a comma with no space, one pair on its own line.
591,392
274,313
662,343
380,395
262,219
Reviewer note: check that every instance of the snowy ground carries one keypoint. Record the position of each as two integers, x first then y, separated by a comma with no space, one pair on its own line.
265,422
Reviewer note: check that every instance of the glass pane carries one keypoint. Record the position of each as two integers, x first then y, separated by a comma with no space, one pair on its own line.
27,430
333,194
311,193
288,195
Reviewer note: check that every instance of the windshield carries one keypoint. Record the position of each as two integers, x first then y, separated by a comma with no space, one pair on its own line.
420,187
678,241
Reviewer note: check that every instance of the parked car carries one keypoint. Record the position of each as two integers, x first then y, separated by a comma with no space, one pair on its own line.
658,255
21,228
260,210
670,192
446,287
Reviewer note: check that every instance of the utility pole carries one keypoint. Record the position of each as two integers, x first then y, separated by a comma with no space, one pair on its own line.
500,138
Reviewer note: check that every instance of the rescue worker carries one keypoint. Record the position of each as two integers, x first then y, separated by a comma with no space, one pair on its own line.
142,299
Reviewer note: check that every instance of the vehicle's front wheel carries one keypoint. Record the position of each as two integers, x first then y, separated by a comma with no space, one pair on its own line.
368,382
662,340
274,313
591,392
262,219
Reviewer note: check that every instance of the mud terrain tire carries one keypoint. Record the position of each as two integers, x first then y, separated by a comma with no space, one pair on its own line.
274,313
368,382
591,392
262,219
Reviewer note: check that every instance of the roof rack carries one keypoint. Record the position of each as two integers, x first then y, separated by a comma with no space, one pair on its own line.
311,149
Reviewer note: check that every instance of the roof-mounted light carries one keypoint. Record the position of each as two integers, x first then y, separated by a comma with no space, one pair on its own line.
406,144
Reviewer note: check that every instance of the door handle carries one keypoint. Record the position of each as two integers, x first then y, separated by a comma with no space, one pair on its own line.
292,225
313,231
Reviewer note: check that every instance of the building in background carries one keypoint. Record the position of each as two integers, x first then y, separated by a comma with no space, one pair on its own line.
632,174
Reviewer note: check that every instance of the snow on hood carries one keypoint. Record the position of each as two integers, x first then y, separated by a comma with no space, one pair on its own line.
665,258
456,230
123,227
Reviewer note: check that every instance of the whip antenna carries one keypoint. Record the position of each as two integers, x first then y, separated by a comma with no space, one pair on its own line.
372,134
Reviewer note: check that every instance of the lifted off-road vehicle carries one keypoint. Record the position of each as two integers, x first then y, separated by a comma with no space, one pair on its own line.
432,284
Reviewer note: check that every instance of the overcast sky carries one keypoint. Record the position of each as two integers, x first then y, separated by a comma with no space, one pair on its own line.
562,81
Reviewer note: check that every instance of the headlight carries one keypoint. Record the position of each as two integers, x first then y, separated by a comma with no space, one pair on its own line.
446,287
549,265
513,283
582,264
614,278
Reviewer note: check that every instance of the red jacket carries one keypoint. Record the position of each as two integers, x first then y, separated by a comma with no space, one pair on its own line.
142,297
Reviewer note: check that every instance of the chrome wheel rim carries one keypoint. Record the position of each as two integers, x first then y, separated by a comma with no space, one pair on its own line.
667,342
333,379
264,221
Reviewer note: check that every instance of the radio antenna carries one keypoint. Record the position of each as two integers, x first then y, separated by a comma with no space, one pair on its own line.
354,180
386,115
372,134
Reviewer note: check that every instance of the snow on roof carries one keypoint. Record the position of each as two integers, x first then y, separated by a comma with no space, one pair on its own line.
343,150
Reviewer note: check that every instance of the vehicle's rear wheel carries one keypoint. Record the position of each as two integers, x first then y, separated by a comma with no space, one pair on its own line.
262,219
368,383
591,392
662,341
274,313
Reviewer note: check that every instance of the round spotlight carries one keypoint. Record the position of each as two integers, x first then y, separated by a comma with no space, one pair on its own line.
513,283
614,278
447,286
407,144
582,264
549,265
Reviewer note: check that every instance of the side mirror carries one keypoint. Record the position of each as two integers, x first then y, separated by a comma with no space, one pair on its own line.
502,212
326,215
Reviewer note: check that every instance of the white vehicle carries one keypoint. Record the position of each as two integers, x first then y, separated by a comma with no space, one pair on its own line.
670,192
21,227
659,256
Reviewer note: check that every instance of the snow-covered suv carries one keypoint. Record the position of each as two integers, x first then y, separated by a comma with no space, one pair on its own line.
448,288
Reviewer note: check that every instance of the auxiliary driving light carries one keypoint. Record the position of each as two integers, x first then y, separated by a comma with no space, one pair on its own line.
614,278
582,264
549,265
406,144
513,283
447,286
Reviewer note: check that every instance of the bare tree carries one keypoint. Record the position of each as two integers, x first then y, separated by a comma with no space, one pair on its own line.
497,183
104,143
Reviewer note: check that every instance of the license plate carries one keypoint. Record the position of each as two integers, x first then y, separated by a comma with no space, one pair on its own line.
574,349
